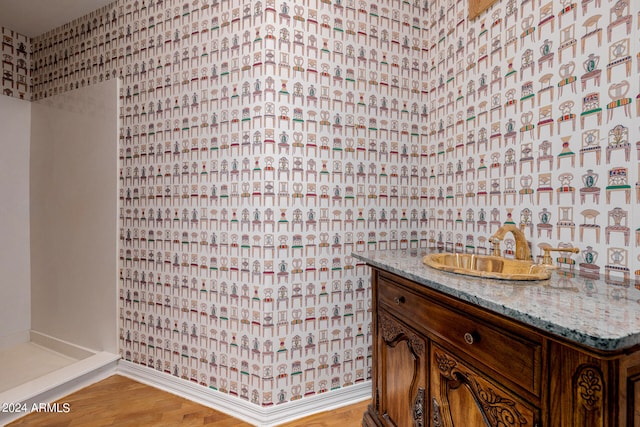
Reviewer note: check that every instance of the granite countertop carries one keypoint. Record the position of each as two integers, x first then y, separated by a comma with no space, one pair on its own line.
587,310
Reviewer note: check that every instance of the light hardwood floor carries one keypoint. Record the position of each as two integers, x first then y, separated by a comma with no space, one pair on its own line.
121,401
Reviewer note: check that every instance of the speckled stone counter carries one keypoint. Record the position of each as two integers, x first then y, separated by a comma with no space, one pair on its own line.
598,313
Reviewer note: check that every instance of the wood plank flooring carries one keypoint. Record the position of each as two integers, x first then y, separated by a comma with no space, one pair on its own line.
121,401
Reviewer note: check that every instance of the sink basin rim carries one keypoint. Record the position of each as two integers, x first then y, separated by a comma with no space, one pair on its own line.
537,272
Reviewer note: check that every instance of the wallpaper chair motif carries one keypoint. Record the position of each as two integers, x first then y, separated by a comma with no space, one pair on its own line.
567,115
592,71
617,262
591,144
617,222
545,118
589,267
591,106
545,87
591,28
547,16
590,223
618,181
566,221
618,140
565,186
567,77
617,93
619,55
546,55
590,188
544,216
619,15
567,41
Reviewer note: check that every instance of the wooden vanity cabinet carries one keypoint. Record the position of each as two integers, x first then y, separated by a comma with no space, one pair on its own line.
442,362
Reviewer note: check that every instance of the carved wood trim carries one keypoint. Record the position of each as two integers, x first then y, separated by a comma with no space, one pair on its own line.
589,384
588,399
418,408
445,364
436,417
498,411
391,330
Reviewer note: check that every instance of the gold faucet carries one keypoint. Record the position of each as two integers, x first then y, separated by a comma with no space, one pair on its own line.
522,246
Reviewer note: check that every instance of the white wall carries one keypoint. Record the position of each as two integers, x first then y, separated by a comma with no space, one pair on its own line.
15,315
74,216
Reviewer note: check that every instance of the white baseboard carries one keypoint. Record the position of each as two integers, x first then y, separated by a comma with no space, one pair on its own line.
59,383
239,408
60,346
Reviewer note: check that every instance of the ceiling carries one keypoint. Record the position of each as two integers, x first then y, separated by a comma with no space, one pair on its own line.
34,17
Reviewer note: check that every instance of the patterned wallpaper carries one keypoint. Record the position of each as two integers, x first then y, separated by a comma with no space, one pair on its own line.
263,142
16,81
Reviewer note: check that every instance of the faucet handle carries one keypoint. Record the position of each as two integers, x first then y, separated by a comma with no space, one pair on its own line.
546,257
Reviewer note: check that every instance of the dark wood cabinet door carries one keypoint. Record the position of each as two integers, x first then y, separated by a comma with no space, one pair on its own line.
463,397
633,401
402,374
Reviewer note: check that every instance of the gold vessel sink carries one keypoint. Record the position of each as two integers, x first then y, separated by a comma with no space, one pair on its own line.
488,266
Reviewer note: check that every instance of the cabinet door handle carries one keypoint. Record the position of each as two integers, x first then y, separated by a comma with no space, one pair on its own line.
399,300
471,338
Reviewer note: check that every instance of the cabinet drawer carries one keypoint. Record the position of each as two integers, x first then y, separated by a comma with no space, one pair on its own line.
508,351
